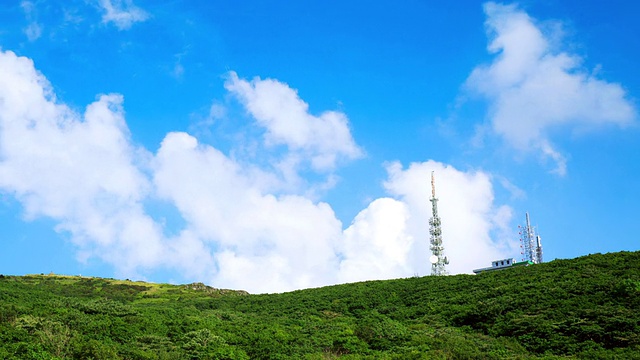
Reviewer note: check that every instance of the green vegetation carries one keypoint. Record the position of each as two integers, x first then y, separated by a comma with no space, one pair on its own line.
587,308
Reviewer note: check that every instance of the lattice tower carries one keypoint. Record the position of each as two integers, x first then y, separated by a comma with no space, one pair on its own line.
437,259
530,242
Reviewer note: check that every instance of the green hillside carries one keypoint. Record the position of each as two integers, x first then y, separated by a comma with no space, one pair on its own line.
587,308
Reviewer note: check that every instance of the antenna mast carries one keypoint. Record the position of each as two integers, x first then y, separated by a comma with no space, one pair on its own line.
530,243
438,260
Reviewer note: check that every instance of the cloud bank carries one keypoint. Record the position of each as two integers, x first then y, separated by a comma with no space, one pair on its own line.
533,88
240,227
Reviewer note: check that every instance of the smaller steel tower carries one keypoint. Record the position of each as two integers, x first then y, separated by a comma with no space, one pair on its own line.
437,259
530,243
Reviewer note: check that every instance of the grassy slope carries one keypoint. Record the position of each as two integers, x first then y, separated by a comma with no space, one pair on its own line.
586,308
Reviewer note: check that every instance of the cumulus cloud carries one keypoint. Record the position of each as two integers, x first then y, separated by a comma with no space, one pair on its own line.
78,170
83,171
278,109
122,13
286,241
533,88
265,242
377,244
474,228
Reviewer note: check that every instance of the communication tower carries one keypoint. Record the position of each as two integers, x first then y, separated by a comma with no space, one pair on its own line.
530,243
437,259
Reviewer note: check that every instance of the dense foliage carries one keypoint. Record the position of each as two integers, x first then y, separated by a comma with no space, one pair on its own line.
584,308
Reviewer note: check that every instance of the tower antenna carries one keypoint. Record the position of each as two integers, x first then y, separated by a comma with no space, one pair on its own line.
530,242
437,259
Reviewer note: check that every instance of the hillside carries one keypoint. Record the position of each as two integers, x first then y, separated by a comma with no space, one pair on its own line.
581,308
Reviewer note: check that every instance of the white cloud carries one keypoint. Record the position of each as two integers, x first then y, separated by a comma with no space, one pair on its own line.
473,227
33,29
265,242
122,13
78,170
377,245
516,192
533,89
83,171
262,242
279,110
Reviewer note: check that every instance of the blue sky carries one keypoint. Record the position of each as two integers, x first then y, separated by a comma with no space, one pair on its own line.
272,147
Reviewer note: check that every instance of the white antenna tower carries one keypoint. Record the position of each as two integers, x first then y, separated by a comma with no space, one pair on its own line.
438,260
530,243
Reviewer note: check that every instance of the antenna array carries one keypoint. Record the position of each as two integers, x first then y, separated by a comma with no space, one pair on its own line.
438,260
530,243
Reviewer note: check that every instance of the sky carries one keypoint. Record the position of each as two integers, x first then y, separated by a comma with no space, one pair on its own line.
275,146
